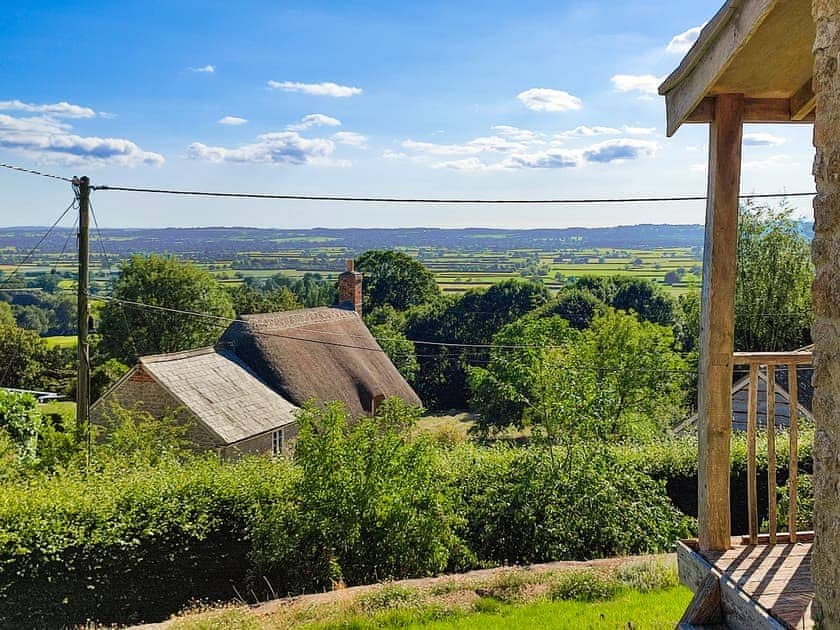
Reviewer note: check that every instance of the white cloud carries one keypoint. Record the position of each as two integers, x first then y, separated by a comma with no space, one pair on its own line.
233,121
515,133
639,131
495,144
208,69
44,137
645,84
58,110
314,120
430,148
327,88
394,155
472,164
761,139
282,147
351,138
554,158
682,43
548,100
620,150
584,131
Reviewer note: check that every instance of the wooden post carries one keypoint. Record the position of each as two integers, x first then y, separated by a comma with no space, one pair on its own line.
752,481
793,389
717,324
770,419
83,381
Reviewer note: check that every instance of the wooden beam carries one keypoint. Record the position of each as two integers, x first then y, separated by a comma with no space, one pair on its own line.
804,103
686,89
773,358
756,110
705,607
717,323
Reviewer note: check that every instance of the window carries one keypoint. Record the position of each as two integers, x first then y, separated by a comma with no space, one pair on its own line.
278,439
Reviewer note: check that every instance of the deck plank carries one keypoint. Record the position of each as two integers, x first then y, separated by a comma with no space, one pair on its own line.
777,577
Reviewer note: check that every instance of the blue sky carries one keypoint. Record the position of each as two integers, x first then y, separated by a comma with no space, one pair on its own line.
465,98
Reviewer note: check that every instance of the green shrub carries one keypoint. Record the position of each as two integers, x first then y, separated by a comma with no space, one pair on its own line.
521,508
369,505
584,586
648,576
127,545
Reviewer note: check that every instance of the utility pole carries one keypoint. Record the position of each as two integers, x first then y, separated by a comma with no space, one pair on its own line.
83,381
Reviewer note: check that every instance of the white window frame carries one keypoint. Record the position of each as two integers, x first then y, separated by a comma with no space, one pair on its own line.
278,442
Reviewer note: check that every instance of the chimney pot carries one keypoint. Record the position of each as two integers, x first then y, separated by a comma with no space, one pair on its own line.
350,288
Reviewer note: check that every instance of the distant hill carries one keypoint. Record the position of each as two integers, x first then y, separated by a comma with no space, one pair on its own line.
220,242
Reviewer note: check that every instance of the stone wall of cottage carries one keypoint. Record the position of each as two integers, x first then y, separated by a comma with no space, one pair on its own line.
140,391
826,331
262,444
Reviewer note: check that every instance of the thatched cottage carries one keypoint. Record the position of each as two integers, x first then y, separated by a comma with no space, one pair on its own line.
241,395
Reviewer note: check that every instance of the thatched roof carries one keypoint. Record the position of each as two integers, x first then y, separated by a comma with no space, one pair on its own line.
223,392
323,354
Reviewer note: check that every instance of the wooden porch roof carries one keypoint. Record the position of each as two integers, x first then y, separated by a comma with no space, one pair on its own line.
762,49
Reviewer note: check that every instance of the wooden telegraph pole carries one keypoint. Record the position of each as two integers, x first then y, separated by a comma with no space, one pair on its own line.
83,381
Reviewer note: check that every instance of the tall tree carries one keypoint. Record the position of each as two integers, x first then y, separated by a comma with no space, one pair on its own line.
395,278
128,331
773,310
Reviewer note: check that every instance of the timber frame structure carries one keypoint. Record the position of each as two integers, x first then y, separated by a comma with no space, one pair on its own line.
763,61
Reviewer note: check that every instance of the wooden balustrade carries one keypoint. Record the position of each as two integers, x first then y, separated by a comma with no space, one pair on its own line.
766,363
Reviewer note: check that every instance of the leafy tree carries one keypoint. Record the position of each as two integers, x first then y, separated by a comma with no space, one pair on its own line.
398,348
311,290
644,298
129,331
638,378
577,306
22,357
773,309
395,278
473,318
617,379
7,318
32,318
514,388
249,300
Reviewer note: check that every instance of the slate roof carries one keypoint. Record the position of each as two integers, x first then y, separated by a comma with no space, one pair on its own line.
740,397
221,391
321,353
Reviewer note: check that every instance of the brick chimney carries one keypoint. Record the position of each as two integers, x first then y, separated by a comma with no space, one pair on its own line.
350,289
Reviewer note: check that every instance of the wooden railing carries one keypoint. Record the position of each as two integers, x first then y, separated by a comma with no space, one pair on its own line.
767,362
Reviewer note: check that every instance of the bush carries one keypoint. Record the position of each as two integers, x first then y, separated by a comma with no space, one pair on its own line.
129,545
369,505
521,508
584,586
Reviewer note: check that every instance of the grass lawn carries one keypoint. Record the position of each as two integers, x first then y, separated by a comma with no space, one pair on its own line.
659,609
60,341
616,593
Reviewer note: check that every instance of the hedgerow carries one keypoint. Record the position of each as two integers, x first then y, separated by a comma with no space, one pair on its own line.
134,540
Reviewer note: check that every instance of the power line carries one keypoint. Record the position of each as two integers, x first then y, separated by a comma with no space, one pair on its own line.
12,167
417,200
31,253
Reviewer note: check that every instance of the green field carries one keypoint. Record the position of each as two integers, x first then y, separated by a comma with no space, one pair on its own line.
456,270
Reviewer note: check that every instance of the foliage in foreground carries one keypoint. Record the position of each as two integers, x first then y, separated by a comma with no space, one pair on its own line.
146,532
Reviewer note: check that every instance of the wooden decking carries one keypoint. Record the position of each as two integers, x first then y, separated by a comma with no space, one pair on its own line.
761,585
